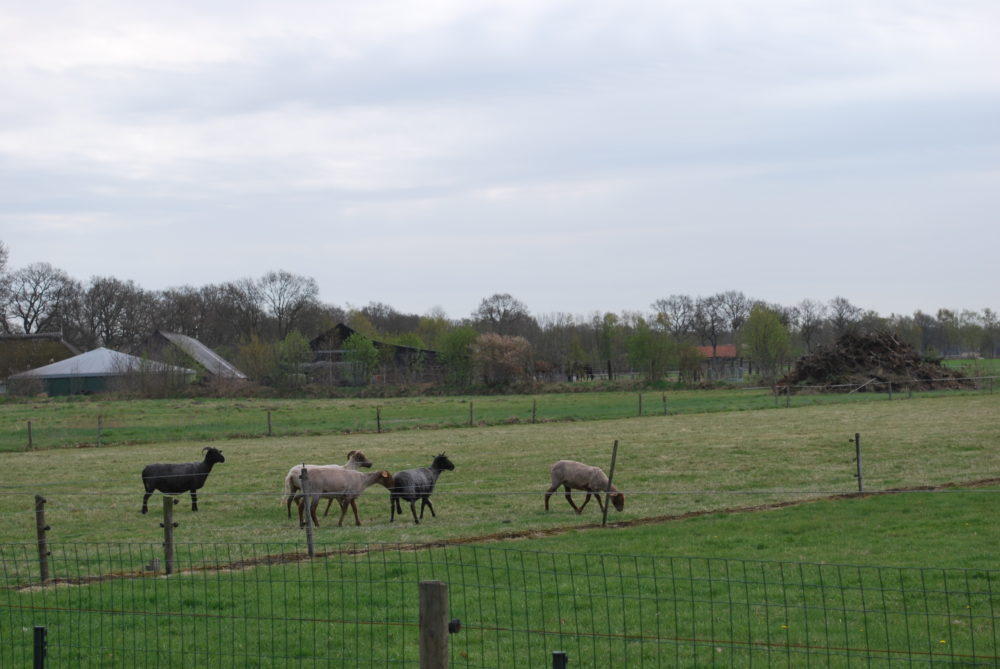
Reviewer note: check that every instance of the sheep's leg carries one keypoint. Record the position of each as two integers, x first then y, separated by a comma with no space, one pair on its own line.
426,501
413,510
597,496
585,501
145,499
393,502
329,503
194,500
569,498
549,493
354,506
343,511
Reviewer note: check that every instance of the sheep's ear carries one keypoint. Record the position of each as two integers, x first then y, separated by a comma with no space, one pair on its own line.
350,454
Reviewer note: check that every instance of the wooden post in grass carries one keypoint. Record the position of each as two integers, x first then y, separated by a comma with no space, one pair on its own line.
43,545
168,526
378,419
433,625
100,426
269,432
30,444
471,414
857,458
890,390
640,404
611,475
665,412
307,501
534,409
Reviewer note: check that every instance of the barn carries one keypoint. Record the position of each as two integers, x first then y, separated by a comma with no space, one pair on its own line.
96,371
171,347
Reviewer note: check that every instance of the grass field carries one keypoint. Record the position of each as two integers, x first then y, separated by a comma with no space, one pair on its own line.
704,465
75,422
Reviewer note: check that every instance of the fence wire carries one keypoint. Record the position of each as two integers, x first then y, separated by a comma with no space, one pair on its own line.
269,605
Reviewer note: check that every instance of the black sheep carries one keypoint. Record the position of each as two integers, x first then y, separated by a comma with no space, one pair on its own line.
181,477
414,484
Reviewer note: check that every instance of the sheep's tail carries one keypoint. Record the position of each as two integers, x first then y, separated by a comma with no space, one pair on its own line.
287,492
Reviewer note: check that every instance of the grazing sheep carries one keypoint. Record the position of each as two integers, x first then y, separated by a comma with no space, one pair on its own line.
414,484
177,478
355,460
578,476
343,485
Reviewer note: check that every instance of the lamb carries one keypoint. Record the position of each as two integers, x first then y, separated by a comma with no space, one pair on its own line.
343,485
355,460
177,478
576,475
414,484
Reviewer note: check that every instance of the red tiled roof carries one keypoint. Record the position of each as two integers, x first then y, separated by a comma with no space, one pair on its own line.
721,351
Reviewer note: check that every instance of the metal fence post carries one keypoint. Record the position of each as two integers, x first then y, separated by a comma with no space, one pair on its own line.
43,547
168,526
559,659
307,507
433,625
41,647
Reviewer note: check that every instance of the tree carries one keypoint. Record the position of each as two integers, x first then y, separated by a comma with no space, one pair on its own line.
290,354
36,295
650,350
709,321
735,307
502,360
843,315
503,314
609,336
812,316
456,355
285,296
766,340
361,354
677,314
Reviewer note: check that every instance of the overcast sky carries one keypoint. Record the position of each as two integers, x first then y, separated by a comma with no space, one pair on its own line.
581,155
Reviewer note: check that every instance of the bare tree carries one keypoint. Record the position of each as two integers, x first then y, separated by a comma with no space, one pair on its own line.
285,296
710,321
677,315
505,315
36,294
843,315
812,316
736,308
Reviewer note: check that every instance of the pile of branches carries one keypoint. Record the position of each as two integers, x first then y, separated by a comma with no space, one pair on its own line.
868,362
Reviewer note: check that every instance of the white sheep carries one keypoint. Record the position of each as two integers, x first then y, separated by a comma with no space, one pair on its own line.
355,460
574,475
343,485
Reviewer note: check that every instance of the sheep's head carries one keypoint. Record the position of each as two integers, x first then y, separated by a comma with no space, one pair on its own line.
385,479
443,463
618,499
359,459
213,455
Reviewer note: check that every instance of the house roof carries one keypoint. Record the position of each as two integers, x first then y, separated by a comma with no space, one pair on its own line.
721,351
99,362
214,363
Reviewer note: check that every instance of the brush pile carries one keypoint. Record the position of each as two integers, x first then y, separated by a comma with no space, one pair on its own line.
868,362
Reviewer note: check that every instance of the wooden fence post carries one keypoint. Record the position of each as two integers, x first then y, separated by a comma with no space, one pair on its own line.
30,444
665,412
307,502
471,414
534,410
611,475
857,458
640,404
433,625
378,419
100,426
40,530
168,526
269,432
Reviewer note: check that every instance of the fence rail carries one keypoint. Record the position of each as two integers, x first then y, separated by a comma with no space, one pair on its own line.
270,605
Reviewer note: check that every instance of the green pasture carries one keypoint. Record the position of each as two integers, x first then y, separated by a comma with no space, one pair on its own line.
93,421
712,485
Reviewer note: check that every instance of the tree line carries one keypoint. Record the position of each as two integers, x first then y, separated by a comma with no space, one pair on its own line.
264,325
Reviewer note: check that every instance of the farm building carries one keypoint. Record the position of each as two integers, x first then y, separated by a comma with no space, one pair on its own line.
722,362
171,347
22,352
399,362
97,371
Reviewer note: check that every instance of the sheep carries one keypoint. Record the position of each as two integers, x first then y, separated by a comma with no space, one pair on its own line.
343,485
578,476
355,460
414,484
176,478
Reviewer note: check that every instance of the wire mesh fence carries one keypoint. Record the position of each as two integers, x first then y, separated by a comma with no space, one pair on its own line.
97,424
269,605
